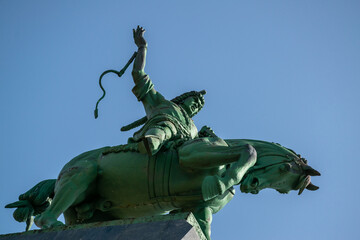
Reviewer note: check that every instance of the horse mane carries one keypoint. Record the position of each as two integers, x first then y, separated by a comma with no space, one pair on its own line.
268,153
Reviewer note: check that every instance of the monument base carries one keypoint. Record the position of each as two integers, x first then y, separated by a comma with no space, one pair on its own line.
172,226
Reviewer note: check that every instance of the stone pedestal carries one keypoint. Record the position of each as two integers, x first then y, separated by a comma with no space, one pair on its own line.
166,227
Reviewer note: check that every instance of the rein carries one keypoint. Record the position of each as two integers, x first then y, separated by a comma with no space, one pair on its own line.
253,169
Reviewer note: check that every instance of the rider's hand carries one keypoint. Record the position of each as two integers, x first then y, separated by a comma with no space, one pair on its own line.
206,132
139,37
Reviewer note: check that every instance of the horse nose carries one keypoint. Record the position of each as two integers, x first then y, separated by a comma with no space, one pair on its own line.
254,182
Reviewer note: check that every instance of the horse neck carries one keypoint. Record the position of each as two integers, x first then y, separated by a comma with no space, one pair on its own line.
267,152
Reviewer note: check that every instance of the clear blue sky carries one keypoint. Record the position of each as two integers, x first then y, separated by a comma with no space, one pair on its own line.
282,71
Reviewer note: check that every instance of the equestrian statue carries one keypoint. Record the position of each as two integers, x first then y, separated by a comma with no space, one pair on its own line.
168,166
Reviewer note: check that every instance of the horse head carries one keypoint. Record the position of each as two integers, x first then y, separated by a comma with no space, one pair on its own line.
278,168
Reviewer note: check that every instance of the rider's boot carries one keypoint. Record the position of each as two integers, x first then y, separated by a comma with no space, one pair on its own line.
150,145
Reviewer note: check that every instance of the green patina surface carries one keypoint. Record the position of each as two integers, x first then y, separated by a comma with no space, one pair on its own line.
167,166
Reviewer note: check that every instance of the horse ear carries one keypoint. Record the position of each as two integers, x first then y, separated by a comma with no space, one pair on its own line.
312,187
310,171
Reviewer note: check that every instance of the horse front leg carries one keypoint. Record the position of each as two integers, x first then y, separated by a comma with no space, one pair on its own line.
214,186
207,153
71,188
203,216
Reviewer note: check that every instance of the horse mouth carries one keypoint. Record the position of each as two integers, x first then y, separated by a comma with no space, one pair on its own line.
243,189
244,186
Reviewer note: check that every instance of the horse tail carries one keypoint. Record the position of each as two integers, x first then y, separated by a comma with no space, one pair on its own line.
33,202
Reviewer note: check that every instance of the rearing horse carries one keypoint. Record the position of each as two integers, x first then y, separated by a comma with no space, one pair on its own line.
198,176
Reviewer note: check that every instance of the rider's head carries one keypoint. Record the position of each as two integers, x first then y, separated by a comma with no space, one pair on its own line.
192,102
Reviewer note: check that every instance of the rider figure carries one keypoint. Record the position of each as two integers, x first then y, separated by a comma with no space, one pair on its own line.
166,120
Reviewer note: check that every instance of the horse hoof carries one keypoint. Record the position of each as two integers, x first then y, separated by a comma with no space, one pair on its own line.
45,222
212,187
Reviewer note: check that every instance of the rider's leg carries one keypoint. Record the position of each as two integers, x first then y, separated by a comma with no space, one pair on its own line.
208,153
71,188
152,141
155,137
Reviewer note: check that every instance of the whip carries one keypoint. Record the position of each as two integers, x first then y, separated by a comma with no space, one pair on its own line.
119,73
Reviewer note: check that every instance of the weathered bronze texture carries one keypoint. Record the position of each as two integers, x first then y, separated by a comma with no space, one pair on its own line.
167,166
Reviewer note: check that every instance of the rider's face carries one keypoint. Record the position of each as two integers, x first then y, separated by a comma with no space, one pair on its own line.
191,106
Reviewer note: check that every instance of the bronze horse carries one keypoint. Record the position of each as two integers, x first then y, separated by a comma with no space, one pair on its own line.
197,176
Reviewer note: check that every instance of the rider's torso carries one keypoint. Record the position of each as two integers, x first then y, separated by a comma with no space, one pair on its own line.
173,110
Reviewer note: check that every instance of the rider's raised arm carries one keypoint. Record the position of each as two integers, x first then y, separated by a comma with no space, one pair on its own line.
140,60
144,88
